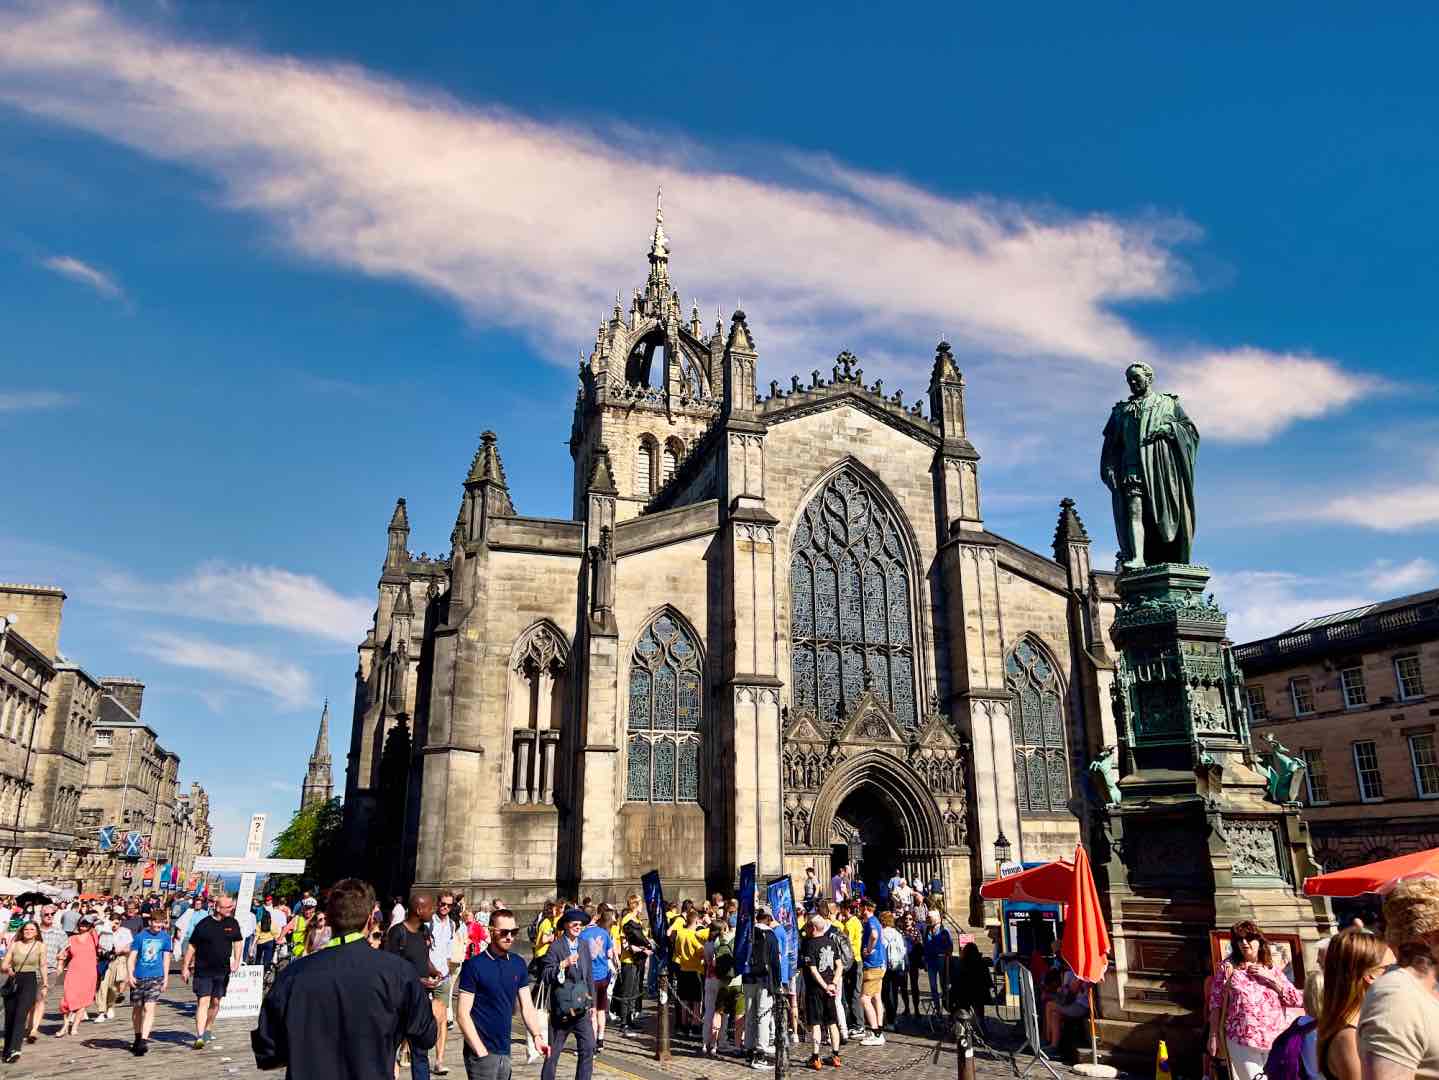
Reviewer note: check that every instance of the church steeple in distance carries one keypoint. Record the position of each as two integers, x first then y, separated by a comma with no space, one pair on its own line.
318,786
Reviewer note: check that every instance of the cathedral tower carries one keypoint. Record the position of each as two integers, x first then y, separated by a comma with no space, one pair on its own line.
317,787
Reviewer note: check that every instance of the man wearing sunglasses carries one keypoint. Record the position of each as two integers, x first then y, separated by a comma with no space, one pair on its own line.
490,983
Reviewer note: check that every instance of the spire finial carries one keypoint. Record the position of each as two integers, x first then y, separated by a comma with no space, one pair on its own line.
659,204
659,243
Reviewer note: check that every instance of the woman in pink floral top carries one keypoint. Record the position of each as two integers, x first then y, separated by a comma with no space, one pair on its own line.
1257,993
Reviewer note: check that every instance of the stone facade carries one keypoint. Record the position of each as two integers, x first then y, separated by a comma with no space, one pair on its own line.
775,630
1356,694
27,674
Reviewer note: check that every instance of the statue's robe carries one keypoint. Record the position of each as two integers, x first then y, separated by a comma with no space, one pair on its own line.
1164,468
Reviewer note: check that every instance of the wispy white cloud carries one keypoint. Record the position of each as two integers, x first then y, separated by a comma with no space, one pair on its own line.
530,224
1389,510
77,270
1265,602
28,400
1249,395
289,684
245,595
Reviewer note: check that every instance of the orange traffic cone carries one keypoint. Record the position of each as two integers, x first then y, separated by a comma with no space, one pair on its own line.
1161,1062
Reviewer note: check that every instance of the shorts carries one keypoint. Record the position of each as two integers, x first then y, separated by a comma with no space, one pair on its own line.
210,986
144,991
441,990
730,1000
819,1007
691,986
873,981
602,993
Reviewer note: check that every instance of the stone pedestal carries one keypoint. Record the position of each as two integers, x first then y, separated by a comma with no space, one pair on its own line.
1193,846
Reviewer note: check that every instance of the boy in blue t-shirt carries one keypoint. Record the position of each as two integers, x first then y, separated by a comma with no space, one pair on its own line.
598,943
872,957
149,976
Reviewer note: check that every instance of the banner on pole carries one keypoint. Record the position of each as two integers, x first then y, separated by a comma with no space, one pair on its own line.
780,892
655,909
744,923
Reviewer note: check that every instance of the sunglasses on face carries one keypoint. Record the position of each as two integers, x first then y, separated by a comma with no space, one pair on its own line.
507,931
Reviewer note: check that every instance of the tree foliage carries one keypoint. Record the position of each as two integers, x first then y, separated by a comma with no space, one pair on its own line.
313,834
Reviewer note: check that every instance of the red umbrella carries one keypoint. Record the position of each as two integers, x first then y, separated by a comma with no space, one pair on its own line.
1052,883
1377,877
1086,939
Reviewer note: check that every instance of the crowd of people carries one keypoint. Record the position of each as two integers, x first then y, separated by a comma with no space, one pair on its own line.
102,950
1370,1011
397,982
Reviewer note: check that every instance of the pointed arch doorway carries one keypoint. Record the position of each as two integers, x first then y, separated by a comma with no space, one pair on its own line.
868,833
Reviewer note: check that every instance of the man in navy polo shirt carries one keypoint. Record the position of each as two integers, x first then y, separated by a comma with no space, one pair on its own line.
490,983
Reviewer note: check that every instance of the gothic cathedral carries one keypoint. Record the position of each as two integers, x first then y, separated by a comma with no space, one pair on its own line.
774,630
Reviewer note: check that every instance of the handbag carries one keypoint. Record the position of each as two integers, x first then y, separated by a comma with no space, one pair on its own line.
571,999
458,946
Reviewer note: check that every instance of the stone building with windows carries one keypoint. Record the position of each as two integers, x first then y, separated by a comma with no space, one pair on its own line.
774,629
1356,695
27,675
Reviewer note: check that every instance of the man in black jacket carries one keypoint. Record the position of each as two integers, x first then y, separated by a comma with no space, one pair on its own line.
342,1012
567,964
761,989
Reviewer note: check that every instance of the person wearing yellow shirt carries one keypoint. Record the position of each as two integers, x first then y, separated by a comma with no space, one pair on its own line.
854,930
545,931
687,949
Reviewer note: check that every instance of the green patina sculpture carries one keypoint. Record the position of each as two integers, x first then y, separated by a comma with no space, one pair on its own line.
1283,771
1105,770
1148,465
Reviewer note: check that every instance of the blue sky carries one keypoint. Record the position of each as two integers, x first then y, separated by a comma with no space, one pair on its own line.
265,267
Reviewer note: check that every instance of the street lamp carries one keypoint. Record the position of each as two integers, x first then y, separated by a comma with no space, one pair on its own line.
1001,850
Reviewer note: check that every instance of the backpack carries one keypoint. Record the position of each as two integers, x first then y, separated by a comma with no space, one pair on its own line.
842,947
759,956
535,927
1286,1055
724,960
265,921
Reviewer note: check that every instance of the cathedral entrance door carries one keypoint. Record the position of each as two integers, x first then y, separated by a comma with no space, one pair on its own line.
881,839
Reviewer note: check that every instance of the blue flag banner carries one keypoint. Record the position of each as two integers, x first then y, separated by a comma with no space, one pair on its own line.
107,838
780,893
163,877
744,924
133,845
655,909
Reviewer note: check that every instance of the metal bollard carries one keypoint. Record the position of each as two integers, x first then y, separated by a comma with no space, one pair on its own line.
662,1019
781,1035
964,1046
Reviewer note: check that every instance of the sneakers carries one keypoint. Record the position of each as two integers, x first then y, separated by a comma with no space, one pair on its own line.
874,1038
138,1047
759,1061
832,1061
814,1062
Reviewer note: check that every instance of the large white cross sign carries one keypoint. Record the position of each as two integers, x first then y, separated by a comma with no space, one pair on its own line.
250,863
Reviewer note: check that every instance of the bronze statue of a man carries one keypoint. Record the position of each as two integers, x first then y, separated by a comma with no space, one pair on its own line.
1148,465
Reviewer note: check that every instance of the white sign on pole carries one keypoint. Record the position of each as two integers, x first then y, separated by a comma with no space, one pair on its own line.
244,994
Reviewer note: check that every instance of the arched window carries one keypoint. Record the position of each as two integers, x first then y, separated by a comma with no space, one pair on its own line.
671,460
1041,770
666,715
850,603
645,466
538,687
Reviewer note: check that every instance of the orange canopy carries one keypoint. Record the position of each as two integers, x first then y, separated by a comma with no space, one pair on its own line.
1052,883
1086,939
1377,877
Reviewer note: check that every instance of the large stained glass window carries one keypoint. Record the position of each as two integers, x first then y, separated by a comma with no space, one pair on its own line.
850,603
1041,770
665,718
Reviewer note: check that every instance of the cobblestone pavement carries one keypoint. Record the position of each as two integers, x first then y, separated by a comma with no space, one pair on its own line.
102,1050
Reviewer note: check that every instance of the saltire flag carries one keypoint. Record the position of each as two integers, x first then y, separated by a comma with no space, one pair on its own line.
780,892
744,923
107,838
